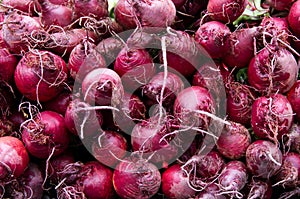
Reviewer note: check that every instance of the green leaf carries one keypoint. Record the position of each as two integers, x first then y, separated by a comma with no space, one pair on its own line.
253,12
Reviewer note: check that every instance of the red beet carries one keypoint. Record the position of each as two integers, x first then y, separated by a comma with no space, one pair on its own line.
241,47
102,86
293,18
136,178
13,157
8,64
45,135
289,173
271,117
233,141
263,159
226,11
135,67
273,70
211,36
175,183
16,30
109,148
294,98
44,74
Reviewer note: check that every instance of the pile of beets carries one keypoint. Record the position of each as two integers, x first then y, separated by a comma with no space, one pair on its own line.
141,99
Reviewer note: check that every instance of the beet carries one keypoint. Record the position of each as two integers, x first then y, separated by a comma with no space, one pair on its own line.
294,98
263,159
272,117
233,141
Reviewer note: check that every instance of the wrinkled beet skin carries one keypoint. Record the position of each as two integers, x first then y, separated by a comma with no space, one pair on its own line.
294,98
234,176
51,132
29,70
270,116
258,160
211,36
239,102
111,142
136,178
27,6
293,18
175,183
14,155
17,27
226,11
283,77
233,141
97,182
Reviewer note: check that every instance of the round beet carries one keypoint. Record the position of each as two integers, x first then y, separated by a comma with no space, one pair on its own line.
211,36
172,86
16,29
294,98
233,177
241,47
273,70
95,8
132,111
96,181
259,189
183,53
14,158
102,86
60,103
233,141
8,63
56,14
83,59
45,135
272,117
135,67
226,11
81,121
148,13
109,148
40,75
293,141
188,104
175,183
263,158
240,98
136,178
293,18
151,137
280,5
289,173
